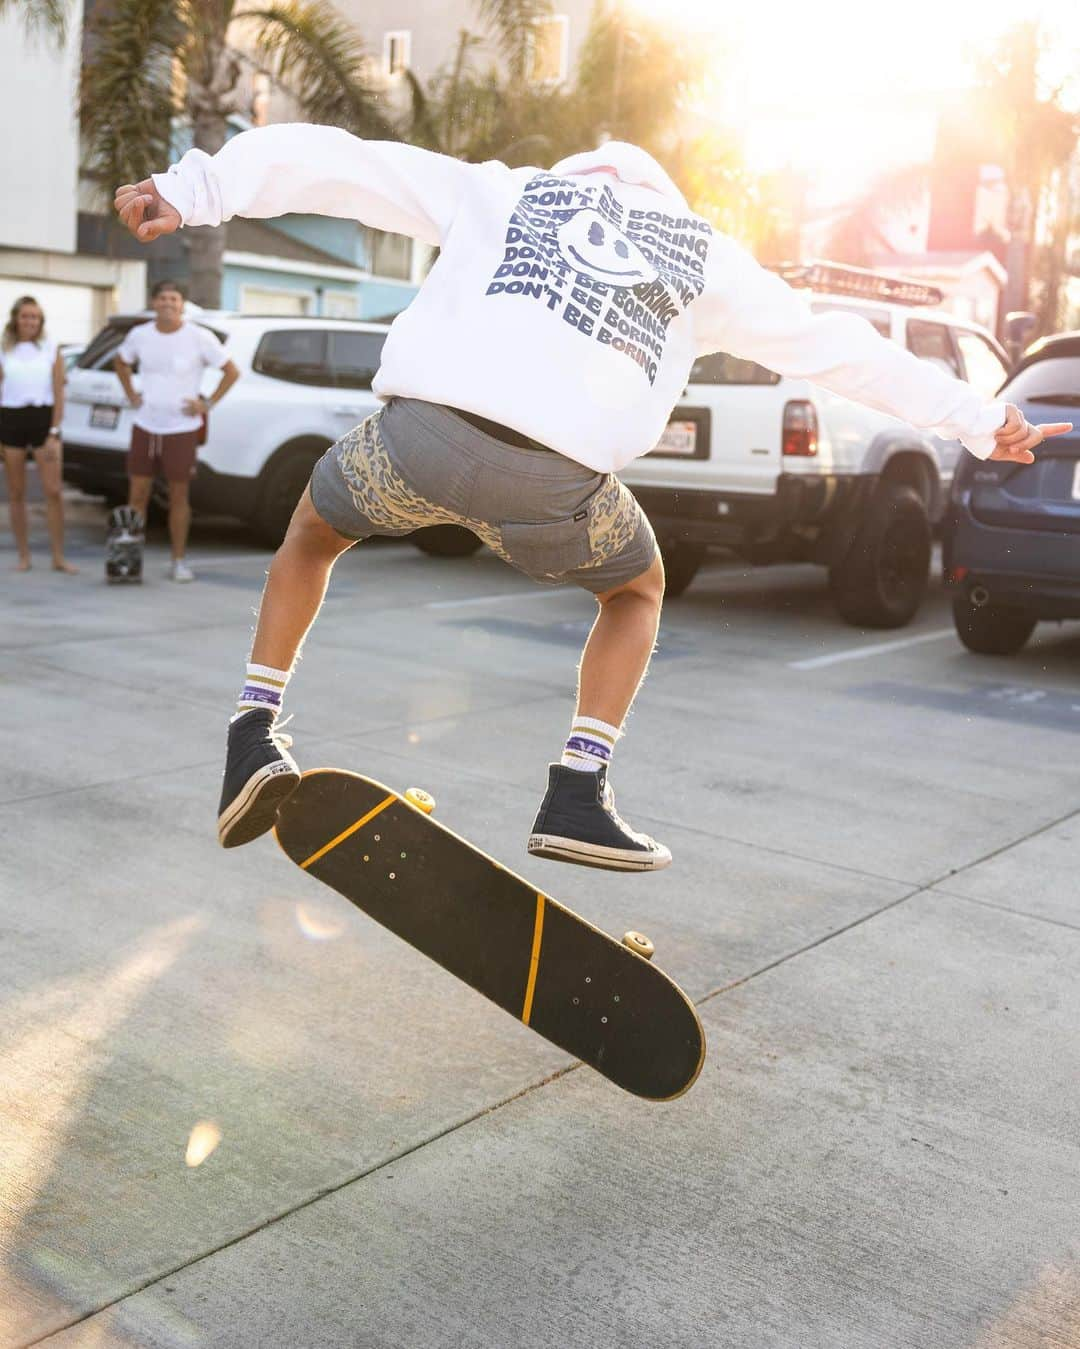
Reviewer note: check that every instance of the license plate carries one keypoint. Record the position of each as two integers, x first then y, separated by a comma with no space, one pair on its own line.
1076,483
104,416
678,438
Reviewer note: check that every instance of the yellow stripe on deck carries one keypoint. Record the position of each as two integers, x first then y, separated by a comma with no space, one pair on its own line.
534,959
346,832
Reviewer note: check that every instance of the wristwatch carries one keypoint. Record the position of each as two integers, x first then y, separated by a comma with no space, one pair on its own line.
54,431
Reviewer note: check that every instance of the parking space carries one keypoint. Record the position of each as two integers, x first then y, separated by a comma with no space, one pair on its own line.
871,902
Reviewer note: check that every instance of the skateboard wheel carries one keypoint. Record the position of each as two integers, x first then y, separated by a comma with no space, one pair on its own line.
637,941
416,796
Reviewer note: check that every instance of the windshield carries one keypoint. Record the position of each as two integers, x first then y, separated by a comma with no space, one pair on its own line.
1054,380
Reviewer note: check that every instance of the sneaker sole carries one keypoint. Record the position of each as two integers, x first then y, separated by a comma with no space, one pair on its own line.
594,854
255,809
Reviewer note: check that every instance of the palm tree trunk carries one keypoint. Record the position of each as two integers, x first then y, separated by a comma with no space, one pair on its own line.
207,245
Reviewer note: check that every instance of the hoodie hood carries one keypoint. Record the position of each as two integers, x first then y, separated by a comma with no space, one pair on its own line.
631,164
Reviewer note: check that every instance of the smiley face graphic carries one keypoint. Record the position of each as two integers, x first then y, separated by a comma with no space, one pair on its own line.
595,246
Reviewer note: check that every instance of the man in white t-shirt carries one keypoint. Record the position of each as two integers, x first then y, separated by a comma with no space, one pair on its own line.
169,420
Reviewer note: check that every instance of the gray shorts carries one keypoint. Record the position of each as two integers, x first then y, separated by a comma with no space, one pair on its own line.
413,464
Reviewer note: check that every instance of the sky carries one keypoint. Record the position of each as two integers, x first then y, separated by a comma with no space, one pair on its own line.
843,89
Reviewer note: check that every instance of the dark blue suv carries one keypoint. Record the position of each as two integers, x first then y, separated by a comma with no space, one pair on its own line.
1011,537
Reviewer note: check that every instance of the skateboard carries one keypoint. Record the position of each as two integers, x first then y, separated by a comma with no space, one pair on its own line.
124,546
594,997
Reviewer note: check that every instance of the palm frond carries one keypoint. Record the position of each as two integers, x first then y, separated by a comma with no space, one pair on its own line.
323,63
126,98
41,16
513,24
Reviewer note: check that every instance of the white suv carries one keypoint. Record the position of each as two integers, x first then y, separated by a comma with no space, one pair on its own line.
779,470
303,383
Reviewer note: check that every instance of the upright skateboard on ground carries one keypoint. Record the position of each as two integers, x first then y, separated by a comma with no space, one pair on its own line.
597,998
124,546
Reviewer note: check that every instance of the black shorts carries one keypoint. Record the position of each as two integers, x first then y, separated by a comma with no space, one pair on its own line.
25,428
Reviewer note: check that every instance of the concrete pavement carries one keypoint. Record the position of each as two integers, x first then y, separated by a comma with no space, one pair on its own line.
236,1112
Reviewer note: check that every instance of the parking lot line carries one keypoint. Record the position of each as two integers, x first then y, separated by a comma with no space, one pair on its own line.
863,652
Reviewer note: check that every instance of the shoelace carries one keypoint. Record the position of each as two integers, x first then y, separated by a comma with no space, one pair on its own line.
279,736
608,803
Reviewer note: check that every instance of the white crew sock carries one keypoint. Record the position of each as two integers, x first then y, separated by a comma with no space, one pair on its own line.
589,745
263,687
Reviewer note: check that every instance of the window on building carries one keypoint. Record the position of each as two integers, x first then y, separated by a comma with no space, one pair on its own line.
355,357
340,304
260,98
264,300
985,368
549,50
397,51
390,255
933,342
294,354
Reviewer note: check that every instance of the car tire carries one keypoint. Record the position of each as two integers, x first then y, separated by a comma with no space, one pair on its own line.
681,562
281,486
882,579
991,629
446,541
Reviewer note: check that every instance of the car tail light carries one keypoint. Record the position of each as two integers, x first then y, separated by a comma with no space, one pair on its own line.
800,428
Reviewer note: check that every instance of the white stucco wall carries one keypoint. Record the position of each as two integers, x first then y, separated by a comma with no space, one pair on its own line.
39,142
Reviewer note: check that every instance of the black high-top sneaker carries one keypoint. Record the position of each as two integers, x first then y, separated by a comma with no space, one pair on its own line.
259,775
578,822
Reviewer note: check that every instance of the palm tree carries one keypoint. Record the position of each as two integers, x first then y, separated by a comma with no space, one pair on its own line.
48,16
153,68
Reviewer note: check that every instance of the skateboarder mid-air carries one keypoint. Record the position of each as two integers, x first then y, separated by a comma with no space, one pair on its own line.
544,351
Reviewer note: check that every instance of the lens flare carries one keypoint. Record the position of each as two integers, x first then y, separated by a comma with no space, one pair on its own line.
318,926
204,1139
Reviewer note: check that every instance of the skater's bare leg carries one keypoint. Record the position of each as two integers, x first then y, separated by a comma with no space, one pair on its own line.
617,652
296,585
15,469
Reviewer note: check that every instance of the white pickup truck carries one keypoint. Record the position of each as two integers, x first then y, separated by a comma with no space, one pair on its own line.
779,470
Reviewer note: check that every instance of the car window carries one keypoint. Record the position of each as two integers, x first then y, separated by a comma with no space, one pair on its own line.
878,317
720,368
298,355
932,342
1055,379
985,368
355,357
100,352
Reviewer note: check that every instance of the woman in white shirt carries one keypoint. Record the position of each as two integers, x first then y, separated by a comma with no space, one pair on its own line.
31,406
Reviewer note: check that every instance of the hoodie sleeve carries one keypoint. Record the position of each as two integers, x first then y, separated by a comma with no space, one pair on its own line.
750,312
319,170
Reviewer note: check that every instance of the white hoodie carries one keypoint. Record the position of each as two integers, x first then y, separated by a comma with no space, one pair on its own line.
569,303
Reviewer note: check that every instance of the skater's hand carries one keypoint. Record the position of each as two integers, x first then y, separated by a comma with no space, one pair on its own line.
1017,438
136,400
144,211
196,407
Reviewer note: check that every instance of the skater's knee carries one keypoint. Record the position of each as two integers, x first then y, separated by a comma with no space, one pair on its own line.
308,530
645,588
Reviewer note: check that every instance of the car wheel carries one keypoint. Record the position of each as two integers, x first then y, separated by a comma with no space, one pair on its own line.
446,541
284,480
991,629
681,562
882,580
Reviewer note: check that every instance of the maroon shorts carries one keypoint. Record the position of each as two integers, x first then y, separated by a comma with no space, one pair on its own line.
173,457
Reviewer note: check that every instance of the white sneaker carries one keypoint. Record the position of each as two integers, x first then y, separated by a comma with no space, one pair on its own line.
180,571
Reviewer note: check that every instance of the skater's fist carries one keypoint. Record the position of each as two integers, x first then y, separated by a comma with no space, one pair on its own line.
1017,437
144,211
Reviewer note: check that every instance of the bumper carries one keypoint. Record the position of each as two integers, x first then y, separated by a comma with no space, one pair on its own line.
104,473
1036,572
699,516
